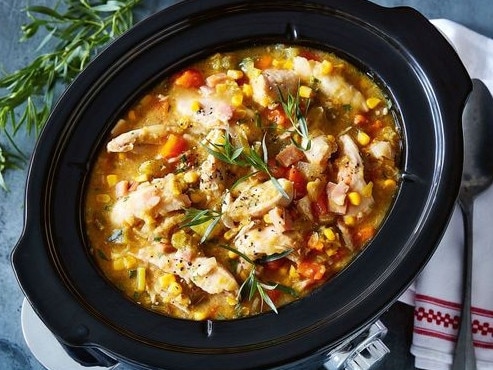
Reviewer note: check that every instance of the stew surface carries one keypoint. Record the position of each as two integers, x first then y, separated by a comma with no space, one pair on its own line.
243,182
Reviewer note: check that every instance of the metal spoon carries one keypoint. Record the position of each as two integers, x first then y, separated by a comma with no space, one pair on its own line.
477,176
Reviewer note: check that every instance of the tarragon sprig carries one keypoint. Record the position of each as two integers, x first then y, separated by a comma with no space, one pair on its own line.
253,285
194,216
292,108
244,157
75,30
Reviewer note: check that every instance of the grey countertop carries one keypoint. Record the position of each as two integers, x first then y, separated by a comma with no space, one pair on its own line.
14,353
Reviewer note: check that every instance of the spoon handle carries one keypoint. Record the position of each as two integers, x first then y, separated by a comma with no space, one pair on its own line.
464,358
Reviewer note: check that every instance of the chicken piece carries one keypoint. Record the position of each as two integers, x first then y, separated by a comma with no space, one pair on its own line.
280,219
335,87
270,82
259,199
290,155
209,111
322,147
149,201
205,272
351,172
255,241
154,134
212,178
336,194
381,149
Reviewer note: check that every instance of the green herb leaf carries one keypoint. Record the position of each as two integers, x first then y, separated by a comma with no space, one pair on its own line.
75,30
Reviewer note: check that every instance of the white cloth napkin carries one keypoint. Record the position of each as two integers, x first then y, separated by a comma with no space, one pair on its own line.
436,293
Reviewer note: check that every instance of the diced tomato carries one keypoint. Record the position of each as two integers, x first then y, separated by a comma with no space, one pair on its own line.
309,55
278,117
276,169
190,78
274,295
174,146
299,182
311,270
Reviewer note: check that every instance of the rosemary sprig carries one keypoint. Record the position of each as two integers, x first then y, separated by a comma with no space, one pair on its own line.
292,108
75,30
244,157
253,285
194,217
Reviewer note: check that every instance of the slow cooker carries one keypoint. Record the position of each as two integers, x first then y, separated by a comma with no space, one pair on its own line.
398,47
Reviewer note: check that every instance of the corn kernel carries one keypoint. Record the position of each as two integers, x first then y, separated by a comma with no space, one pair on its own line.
349,220
231,300
363,138
111,180
277,63
329,233
129,262
232,255
146,99
288,64
141,279
247,90
267,219
326,67
195,106
330,252
354,198
118,264
221,88
199,315
103,198
237,100
367,190
305,91
235,74
175,289
389,183
141,178
165,280
191,177
372,102
122,156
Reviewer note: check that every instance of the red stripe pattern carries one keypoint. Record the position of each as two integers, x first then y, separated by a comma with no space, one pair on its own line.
437,318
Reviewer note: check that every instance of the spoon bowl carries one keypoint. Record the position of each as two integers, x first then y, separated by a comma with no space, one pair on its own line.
477,176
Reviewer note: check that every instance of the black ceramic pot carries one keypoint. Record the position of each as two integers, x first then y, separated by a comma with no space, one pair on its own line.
411,60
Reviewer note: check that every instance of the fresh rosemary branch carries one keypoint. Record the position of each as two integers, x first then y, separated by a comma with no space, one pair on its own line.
244,157
292,107
75,30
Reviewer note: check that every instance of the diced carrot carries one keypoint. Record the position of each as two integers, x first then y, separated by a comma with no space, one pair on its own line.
299,182
309,55
311,270
364,234
190,78
174,146
264,62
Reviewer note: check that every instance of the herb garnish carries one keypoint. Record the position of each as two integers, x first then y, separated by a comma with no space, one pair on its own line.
194,216
253,285
74,34
292,108
244,157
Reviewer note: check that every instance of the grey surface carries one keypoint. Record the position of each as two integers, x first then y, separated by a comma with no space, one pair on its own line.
14,354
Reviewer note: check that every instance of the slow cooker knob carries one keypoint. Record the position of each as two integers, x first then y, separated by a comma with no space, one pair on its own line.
360,352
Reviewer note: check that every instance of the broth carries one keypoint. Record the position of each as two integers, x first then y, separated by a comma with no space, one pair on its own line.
243,182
